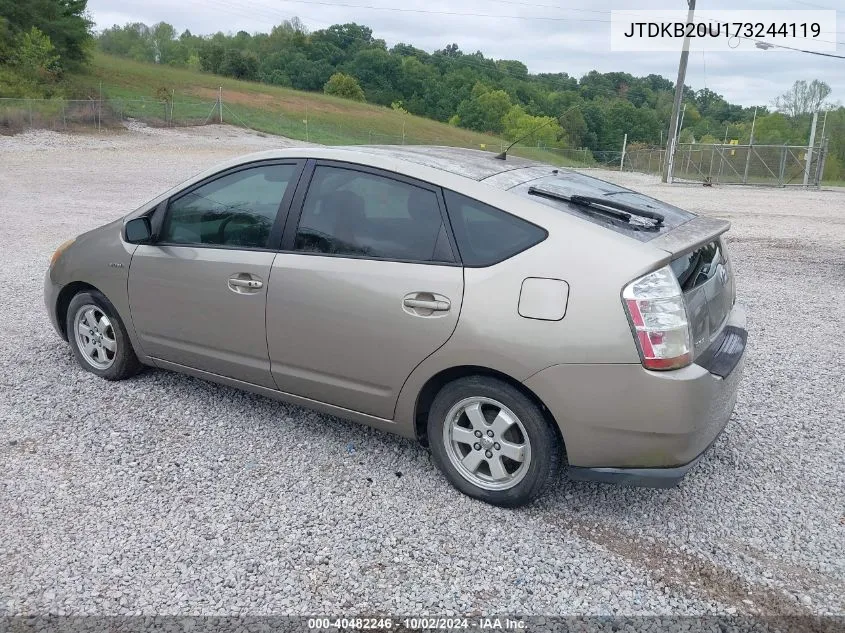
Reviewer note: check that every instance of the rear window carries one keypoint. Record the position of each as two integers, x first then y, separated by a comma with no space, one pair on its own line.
487,235
568,183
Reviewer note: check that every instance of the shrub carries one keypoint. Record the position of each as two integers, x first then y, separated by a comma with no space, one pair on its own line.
346,86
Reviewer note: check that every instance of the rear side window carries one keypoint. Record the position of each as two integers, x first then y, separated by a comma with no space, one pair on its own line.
487,235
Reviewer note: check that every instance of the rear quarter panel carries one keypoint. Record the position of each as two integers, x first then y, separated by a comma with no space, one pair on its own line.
595,262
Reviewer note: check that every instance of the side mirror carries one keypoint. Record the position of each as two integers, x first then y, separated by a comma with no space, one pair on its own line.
138,230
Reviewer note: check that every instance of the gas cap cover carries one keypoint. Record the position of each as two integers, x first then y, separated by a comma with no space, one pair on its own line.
543,298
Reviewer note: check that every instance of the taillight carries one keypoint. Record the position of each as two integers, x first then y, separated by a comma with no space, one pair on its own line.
656,308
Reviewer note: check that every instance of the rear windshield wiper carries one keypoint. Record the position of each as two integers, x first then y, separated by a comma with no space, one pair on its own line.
617,210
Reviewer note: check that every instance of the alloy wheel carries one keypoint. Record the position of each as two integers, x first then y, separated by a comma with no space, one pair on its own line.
487,443
95,336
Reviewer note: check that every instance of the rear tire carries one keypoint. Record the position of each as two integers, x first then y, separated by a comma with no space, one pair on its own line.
98,337
492,442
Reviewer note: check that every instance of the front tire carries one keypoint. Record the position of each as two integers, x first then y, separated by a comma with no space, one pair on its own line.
492,442
98,337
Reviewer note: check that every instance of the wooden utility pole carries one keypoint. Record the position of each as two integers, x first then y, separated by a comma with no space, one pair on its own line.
672,141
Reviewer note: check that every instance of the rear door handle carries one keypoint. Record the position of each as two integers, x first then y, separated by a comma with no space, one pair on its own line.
246,283
424,304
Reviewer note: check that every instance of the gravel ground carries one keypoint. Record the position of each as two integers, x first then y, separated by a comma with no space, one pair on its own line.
165,494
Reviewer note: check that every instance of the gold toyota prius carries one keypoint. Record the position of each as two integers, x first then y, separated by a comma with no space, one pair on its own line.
504,312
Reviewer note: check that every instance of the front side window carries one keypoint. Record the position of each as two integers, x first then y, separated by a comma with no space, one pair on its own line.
349,212
487,235
238,209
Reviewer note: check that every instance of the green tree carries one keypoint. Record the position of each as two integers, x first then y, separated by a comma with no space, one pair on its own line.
346,86
574,128
63,21
379,72
164,42
835,132
133,40
211,56
307,74
239,64
517,124
485,110
349,38
34,56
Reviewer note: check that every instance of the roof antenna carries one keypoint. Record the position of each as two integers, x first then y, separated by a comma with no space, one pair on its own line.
504,154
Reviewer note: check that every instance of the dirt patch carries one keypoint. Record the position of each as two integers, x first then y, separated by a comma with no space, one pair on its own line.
696,575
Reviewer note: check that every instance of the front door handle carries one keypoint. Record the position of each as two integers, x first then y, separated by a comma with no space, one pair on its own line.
243,283
425,304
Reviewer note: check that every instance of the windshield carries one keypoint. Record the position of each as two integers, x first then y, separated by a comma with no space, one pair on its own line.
568,184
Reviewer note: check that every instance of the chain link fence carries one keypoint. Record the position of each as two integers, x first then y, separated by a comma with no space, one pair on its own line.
769,165
776,165
86,114
175,110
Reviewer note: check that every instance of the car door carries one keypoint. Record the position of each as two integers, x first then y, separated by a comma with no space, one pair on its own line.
198,293
366,287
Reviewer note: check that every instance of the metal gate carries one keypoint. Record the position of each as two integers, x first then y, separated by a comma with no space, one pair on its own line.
773,165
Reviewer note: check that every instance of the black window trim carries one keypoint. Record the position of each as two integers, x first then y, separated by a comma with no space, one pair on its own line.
298,205
500,210
160,213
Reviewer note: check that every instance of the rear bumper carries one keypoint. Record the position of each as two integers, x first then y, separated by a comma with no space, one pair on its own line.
625,424
644,477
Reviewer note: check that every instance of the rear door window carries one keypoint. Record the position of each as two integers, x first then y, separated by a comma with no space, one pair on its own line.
487,235
361,214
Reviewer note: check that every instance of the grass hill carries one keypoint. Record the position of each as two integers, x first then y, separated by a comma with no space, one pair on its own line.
165,95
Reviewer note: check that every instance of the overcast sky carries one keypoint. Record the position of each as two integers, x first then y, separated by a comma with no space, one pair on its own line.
571,36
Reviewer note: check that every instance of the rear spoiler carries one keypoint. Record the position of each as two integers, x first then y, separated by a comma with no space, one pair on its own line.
690,235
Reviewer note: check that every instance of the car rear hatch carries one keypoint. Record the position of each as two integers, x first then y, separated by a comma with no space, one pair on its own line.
703,269
697,251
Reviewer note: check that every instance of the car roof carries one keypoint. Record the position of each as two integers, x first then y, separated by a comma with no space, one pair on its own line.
470,163
474,164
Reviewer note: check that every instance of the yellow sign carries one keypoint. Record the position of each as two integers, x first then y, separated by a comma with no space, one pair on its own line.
734,141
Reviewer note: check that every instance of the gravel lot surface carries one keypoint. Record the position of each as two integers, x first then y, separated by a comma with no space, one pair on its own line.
166,494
